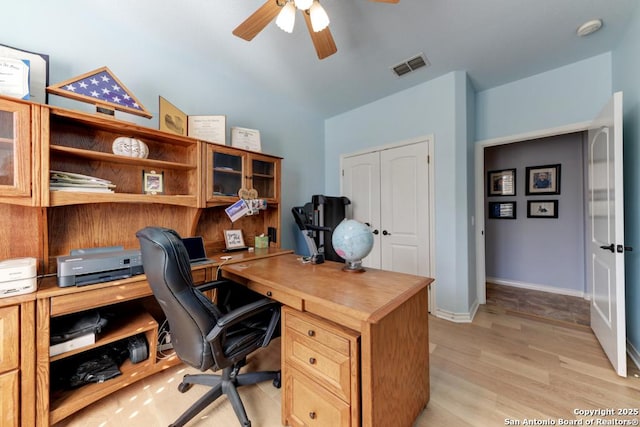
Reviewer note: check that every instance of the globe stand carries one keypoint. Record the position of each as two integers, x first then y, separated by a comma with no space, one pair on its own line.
353,266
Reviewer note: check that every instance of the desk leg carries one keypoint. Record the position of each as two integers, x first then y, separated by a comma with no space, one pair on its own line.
27,364
42,362
395,365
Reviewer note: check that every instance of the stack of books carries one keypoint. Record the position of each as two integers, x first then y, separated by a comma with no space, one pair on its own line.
68,181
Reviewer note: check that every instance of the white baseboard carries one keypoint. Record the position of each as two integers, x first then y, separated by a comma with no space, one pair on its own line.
633,353
457,317
535,287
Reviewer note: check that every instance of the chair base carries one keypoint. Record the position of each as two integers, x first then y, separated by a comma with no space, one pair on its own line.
226,384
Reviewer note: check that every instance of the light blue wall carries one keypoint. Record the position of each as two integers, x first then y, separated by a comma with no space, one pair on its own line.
626,77
82,36
566,95
470,121
438,107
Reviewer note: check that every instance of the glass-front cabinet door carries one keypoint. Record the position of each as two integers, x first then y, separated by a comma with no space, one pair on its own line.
264,177
228,175
225,173
230,170
15,143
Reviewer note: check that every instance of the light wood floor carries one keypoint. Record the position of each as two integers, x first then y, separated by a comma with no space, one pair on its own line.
501,367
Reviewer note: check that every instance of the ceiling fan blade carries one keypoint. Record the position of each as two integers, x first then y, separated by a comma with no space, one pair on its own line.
386,1
322,40
256,22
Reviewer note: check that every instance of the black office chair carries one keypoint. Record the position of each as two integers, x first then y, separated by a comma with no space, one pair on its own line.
203,335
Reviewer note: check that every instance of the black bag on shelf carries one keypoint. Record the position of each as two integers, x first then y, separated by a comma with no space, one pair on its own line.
93,366
75,325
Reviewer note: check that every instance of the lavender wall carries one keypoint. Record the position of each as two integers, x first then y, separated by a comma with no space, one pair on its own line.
540,252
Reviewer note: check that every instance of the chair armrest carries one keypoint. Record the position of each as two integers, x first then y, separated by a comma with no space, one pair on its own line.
212,285
241,314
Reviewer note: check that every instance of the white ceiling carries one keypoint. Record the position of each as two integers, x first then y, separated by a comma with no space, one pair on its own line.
495,41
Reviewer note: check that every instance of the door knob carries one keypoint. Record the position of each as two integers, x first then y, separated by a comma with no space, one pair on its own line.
385,233
611,247
376,232
621,248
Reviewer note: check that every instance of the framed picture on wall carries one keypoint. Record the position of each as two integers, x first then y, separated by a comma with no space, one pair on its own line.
543,179
501,183
502,210
542,209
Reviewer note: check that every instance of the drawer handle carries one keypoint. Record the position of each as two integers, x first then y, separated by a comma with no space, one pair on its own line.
311,333
312,415
312,360
269,293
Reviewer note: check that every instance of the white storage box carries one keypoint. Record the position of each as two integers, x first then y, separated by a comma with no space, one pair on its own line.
17,276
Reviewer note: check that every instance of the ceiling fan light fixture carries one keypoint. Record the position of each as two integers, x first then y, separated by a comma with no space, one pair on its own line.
287,17
319,17
303,4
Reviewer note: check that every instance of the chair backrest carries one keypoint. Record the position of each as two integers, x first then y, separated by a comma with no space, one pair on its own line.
190,315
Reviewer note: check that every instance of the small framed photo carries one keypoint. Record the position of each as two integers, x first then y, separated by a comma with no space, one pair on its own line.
542,209
234,239
502,210
501,183
543,179
152,182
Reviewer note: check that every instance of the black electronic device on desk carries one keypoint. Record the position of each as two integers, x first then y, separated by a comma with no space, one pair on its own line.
97,265
317,220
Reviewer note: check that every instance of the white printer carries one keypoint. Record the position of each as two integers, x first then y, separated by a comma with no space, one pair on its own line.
17,276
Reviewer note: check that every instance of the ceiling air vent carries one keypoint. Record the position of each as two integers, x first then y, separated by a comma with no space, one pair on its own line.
410,65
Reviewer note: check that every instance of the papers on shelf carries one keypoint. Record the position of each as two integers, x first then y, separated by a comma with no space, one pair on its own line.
69,181
72,344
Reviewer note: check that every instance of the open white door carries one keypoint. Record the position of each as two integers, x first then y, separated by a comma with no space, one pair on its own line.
605,270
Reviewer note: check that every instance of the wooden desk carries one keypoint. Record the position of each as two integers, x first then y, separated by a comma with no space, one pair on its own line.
378,320
131,297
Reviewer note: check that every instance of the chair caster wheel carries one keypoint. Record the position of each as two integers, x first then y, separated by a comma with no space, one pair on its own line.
183,387
277,382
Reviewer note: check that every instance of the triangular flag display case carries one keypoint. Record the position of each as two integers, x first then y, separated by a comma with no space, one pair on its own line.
102,88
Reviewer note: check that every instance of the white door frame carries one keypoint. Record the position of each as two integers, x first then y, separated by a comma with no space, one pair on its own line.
481,276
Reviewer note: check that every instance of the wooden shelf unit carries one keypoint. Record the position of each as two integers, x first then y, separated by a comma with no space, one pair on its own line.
45,224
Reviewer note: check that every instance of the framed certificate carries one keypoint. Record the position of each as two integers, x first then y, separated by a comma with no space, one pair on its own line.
36,65
208,128
249,139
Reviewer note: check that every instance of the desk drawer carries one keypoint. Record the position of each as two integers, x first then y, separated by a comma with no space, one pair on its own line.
309,405
9,338
326,353
282,297
9,404
319,331
199,276
97,297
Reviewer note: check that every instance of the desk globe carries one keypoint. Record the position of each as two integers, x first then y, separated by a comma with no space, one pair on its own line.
352,240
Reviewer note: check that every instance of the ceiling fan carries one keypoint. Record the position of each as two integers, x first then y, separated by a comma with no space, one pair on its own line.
314,16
